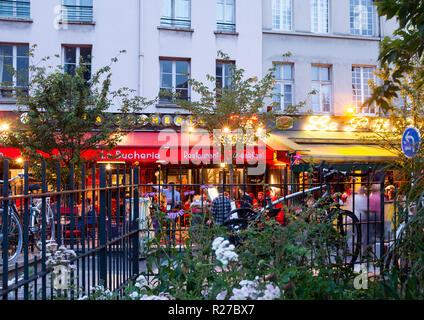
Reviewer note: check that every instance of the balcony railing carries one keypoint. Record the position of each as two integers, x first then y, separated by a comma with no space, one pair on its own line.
175,23
77,13
14,9
226,27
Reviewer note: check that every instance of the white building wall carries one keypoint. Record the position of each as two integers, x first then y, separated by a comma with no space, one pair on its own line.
201,44
337,48
114,29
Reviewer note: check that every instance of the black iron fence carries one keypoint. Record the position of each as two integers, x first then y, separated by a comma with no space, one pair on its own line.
106,215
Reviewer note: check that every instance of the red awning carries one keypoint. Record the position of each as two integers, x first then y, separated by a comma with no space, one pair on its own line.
171,147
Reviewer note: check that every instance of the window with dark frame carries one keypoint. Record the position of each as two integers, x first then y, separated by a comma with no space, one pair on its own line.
174,76
322,84
284,86
72,56
14,57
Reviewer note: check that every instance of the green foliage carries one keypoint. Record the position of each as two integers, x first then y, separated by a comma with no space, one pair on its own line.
234,105
68,115
403,52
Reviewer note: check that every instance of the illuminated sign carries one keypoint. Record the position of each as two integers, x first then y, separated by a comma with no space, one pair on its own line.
351,124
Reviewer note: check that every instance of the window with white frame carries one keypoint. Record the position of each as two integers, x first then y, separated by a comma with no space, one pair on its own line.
319,16
15,8
284,87
225,15
13,58
224,74
77,10
176,13
322,85
282,15
73,55
174,76
361,90
362,17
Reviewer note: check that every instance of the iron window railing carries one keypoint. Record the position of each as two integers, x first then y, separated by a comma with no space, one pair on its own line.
14,9
175,23
226,27
77,13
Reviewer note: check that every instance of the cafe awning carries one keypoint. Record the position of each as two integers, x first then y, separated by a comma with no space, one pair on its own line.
344,153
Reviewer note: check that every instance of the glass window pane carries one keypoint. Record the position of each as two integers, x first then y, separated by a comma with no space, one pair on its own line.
219,70
22,51
22,69
182,94
70,69
166,8
182,9
6,50
70,54
166,66
325,74
6,63
85,53
181,67
277,72
315,73
166,80
277,93
287,72
181,81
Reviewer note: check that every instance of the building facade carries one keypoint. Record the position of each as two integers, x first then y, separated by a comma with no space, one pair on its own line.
329,47
326,46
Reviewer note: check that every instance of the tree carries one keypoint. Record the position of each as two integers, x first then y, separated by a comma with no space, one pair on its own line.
66,116
403,53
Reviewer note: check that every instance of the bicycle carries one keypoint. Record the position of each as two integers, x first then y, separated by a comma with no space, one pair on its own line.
15,224
346,222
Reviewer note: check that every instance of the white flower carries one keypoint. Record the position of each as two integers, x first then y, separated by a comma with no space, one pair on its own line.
271,293
134,295
141,282
161,296
224,251
221,295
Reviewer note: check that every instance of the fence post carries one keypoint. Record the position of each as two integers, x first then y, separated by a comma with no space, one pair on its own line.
136,181
382,219
5,257
102,227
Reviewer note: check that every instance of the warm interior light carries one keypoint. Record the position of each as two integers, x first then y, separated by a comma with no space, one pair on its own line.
350,110
190,128
4,127
108,166
19,160
226,130
259,131
223,165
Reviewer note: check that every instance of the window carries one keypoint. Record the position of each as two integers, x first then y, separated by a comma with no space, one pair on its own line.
77,11
321,82
176,13
224,74
282,15
13,57
283,91
15,8
72,56
361,89
174,79
319,16
225,15
362,17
